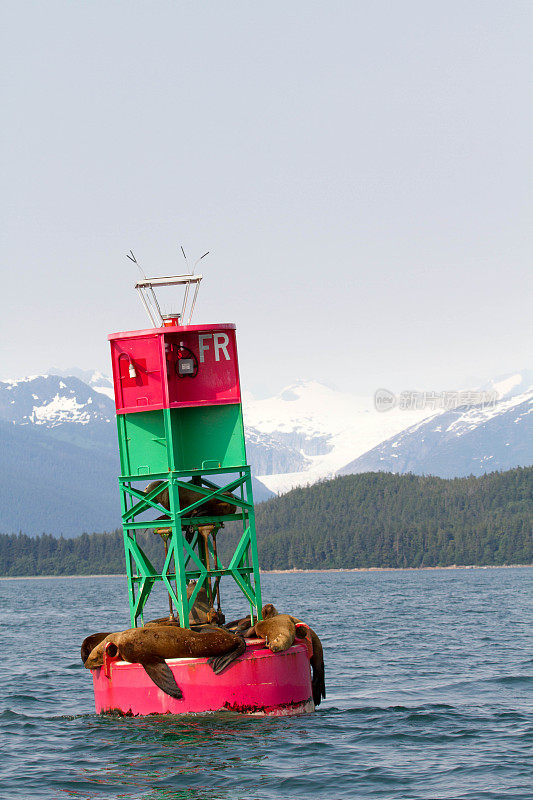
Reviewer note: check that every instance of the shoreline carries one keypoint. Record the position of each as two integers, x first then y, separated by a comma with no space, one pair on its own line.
293,571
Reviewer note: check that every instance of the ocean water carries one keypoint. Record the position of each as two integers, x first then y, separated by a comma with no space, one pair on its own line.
429,695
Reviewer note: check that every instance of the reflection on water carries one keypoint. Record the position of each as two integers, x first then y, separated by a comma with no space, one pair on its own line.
200,751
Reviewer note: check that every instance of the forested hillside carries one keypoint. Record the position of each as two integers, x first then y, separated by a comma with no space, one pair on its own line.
368,520
383,520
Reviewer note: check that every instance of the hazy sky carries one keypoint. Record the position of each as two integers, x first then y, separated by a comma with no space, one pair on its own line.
360,172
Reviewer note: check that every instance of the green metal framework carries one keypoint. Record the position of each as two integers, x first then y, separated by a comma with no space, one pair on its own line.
185,560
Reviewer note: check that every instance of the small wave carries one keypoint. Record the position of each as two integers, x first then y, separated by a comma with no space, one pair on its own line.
512,679
430,707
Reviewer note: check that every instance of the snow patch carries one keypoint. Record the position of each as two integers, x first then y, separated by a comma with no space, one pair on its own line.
508,384
350,425
60,409
104,390
478,415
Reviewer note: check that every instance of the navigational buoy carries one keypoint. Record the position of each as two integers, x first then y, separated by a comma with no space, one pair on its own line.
180,433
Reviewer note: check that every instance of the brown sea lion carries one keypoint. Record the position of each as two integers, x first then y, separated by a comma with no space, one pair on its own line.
214,507
239,625
269,610
243,624
151,646
318,681
278,631
201,613
162,621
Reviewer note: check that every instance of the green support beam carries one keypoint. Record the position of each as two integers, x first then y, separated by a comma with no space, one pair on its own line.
188,558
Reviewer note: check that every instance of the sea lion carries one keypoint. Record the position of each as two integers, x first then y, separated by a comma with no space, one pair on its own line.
213,507
268,610
171,621
278,631
151,646
202,608
201,613
318,681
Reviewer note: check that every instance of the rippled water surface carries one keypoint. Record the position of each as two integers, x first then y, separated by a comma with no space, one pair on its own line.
429,682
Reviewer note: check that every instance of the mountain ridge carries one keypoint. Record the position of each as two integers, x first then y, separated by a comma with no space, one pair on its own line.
307,433
459,442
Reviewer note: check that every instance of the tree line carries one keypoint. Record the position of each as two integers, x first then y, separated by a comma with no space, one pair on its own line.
369,520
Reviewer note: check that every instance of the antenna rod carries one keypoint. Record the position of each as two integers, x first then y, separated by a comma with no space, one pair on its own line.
193,302
186,288
198,261
132,258
146,299
197,286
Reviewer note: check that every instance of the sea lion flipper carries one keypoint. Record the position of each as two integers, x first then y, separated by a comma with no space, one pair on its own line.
238,625
162,676
219,663
318,684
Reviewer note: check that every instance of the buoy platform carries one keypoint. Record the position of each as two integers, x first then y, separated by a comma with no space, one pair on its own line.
259,683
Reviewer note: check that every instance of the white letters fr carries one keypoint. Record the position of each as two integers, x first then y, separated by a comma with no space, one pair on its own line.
220,340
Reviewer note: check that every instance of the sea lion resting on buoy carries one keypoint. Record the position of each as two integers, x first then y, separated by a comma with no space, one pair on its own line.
278,631
269,612
151,646
214,507
201,613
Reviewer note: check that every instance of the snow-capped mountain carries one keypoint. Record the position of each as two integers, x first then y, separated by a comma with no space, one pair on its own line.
510,385
59,459
50,400
92,377
321,430
459,442
58,443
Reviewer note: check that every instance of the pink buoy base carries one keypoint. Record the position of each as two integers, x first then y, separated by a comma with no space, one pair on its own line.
259,683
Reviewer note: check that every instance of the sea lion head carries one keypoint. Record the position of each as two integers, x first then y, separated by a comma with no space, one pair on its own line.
90,643
162,497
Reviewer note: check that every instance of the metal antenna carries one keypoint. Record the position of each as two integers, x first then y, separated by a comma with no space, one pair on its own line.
186,288
147,302
132,258
198,261
196,287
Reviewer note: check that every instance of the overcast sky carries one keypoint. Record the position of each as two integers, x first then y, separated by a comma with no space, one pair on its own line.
360,172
